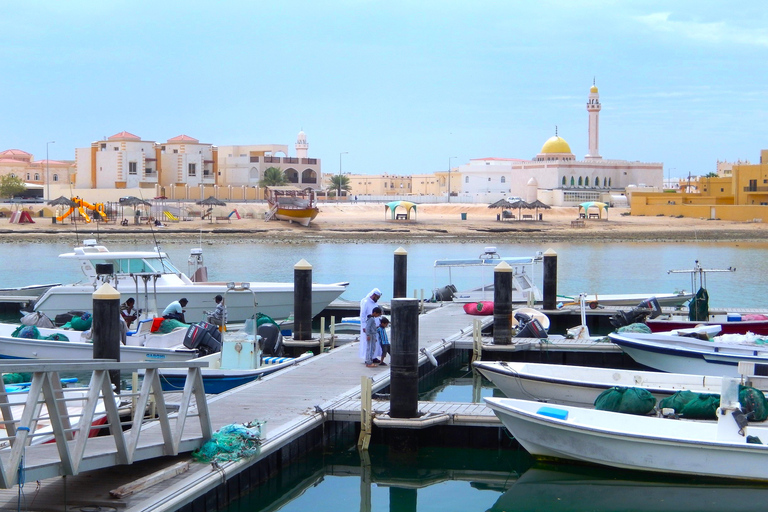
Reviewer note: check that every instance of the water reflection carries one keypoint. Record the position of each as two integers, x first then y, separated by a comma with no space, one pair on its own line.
439,479
575,488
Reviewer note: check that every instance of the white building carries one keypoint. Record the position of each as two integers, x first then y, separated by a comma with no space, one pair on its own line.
121,161
555,176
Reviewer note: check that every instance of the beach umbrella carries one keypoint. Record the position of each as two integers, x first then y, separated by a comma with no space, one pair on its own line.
211,201
538,204
519,205
62,201
133,201
501,203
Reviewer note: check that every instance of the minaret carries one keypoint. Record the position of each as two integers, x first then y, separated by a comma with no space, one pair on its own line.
593,107
301,145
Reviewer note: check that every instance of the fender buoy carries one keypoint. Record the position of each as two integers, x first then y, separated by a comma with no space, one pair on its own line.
481,308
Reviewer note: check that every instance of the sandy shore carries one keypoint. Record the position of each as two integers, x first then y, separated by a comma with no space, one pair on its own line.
433,223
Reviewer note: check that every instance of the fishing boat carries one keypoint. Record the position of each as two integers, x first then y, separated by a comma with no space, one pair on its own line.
292,204
675,353
227,370
723,449
155,282
581,385
524,272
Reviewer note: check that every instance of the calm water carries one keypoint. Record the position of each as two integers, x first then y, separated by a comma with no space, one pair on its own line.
447,479
590,268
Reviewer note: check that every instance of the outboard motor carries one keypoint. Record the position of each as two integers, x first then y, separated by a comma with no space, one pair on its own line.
444,294
203,337
647,308
272,338
529,327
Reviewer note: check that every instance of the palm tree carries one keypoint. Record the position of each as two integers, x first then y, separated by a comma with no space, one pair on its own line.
273,177
340,182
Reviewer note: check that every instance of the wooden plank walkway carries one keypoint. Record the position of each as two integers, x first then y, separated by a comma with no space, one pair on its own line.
458,413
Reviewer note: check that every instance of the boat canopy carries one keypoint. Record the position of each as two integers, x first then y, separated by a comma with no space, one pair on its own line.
393,205
484,262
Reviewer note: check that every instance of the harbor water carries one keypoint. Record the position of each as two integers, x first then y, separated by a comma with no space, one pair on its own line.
602,268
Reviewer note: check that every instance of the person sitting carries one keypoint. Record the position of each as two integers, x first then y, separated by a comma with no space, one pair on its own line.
219,315
124,222
175,310
128,311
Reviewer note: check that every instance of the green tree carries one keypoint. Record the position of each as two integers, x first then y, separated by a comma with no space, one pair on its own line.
273,177
340,182
711,175
11,185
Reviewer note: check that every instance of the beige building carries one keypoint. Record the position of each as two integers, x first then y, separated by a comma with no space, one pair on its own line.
432,184
21,164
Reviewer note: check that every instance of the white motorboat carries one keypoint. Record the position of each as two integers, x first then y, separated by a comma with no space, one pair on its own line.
682,354
632,299
524,271
644,443
581,385
151,278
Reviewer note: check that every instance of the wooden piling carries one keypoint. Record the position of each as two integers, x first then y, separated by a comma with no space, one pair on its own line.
400,274
106,328
404,368
549,289
502,304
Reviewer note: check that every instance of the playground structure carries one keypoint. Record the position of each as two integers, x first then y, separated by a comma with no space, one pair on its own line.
82,207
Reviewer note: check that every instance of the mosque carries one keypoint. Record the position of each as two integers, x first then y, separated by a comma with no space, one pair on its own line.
556,177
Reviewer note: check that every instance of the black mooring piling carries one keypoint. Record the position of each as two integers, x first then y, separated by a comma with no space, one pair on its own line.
502,304
302,301
106,328
549,290
404,379
400,286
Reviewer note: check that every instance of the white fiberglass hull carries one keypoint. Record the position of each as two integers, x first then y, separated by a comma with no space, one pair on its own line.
632,442
273,299
581,385
23,348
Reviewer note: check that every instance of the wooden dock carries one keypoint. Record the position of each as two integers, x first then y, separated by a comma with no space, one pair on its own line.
292,402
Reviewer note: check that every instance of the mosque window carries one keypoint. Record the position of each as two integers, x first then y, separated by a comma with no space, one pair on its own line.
572,181
37,177
609,182
564,183
581,182
586,181
597,182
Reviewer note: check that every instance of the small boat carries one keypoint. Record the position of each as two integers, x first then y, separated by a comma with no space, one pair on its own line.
730,323
238,363
672,352
581,385
152,279
292,204
524,270
720,449
632,299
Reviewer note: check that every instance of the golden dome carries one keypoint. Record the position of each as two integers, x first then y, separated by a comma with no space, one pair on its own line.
556,145
593,88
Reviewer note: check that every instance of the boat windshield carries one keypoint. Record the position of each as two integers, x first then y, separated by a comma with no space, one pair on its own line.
142,265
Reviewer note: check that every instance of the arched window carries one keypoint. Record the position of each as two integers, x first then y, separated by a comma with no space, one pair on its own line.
253,174
466,179
597,182
586,181
503,179
609,182
37,177
563,180
581,182
55,177
28,175
572,181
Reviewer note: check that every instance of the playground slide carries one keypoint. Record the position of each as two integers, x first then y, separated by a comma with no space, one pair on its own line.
81,207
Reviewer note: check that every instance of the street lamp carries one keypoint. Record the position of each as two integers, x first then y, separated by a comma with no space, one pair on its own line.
47,172
338,197
449,177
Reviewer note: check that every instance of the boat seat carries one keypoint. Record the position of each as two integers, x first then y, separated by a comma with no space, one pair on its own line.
144,327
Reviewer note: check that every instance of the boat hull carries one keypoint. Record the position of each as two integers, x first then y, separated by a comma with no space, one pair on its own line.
640,443
275,300
580,385
676,354
301,216
23,348
759,327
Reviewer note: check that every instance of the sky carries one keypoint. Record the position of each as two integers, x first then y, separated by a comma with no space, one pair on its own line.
399,87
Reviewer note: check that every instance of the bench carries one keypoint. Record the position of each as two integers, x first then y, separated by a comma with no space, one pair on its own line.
527,217
578,223
594,215
401,216
224,218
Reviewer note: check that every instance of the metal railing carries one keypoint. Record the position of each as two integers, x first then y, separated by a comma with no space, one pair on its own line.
47,411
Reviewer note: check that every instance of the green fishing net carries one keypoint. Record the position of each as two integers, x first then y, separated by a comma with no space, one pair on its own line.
232,442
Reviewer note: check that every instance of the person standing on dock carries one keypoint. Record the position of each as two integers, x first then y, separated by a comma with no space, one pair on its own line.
366,308
383,339
372,337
